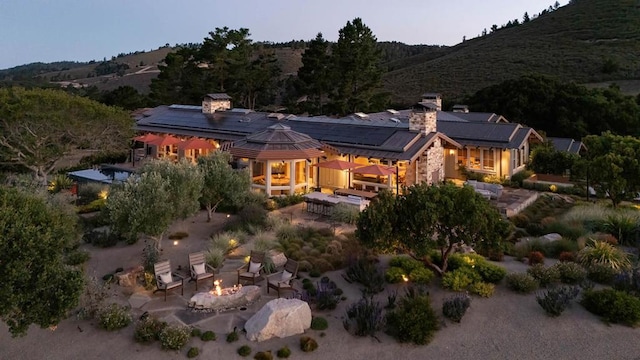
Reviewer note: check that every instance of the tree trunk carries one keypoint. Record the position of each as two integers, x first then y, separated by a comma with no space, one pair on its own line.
209,212
157,240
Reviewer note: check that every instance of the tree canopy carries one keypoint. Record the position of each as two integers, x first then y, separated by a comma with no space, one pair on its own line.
560,109
226,61
37,287
545,159
613,163
429,217
222,184
315,73
41,126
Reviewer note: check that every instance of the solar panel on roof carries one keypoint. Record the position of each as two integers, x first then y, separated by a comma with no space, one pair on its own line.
185,107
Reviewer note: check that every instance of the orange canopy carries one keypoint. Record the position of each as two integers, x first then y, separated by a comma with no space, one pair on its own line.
196,143
376,169
165,141
337,165
147,138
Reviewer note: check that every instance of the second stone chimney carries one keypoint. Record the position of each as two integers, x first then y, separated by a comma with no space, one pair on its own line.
423,118
215,102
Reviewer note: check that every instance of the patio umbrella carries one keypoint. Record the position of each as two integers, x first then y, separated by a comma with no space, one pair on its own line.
337,165
165,141
147,138
376,169
196,143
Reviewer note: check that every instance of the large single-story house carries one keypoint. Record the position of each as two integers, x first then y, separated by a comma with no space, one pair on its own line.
284,152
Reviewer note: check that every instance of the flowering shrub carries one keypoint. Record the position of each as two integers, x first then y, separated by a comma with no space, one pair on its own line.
175,337
455,307
545,275
556,300
536,257
114,317
482,289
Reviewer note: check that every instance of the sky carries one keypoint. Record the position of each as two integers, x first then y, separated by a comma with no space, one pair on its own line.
83,30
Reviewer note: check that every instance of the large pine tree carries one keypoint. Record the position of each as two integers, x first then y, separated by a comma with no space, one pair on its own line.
315,73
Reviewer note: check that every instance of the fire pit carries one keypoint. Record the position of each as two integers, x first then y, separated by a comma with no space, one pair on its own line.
219,298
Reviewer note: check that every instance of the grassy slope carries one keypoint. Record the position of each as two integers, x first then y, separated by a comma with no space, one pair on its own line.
570,43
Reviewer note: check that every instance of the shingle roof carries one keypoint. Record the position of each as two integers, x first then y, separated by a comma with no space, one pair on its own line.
277,142
500,135
567,144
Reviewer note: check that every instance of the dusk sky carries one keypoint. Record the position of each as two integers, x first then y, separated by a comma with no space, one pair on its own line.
83,30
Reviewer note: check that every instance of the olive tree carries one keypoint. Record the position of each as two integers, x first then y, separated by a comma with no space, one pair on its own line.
431,217
222,183
37,287
41,126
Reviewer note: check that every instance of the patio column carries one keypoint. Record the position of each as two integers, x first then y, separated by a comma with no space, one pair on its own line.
292,177
267,178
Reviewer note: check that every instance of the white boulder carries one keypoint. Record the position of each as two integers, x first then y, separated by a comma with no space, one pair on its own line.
279,318
552,237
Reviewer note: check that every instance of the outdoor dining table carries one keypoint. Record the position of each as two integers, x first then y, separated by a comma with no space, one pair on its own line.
363,194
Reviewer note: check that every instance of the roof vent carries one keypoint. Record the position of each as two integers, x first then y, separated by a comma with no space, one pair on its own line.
185,107
361,115
291,116
241,111
278,116
395,120
393,112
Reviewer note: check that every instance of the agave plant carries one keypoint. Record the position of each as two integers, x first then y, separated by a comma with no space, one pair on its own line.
604,254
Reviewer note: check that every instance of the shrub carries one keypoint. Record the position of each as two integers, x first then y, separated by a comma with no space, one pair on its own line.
394,275
319,323
482,289
208,336
605,254
195,332
536,257
567,256
628,281
193,352
366,316
570,272
555,248
345,213
406,263
244,350
602,274
232,336
148,330
491,273
555,301
413,320
284,352
253,214
457,261
613,306
520,220
623,226
421,275
78,257
327,296
114,317
455,307
522,283
175,337
545,275
308,344
459,279
263,355
365,272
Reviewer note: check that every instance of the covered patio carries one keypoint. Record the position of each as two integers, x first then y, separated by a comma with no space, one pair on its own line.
279,159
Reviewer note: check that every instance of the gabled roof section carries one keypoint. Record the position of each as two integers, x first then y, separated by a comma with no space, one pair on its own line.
498,135
567,145
470,117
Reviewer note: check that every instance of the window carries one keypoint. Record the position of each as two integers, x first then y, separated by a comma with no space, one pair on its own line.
300,172
474,158
259,170
488,159
462,157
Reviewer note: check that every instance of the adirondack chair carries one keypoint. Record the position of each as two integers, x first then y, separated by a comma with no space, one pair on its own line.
282,280
165,279
198,268
251,270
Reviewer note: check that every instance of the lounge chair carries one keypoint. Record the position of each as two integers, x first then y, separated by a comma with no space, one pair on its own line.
282,280
199,269
251,270
165,279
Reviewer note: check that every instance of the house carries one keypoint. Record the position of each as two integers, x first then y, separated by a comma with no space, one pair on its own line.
404,147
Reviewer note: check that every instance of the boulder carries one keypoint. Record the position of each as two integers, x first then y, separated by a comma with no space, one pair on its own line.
279,318
243,296
128,278
552,237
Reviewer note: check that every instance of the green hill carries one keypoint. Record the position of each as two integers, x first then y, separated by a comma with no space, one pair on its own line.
588,41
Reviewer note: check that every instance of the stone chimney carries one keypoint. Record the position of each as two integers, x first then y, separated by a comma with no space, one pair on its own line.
432,98
423,118
214,102
461,108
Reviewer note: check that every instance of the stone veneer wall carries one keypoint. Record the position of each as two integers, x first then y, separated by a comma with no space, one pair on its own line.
431,160
209,106
423,121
